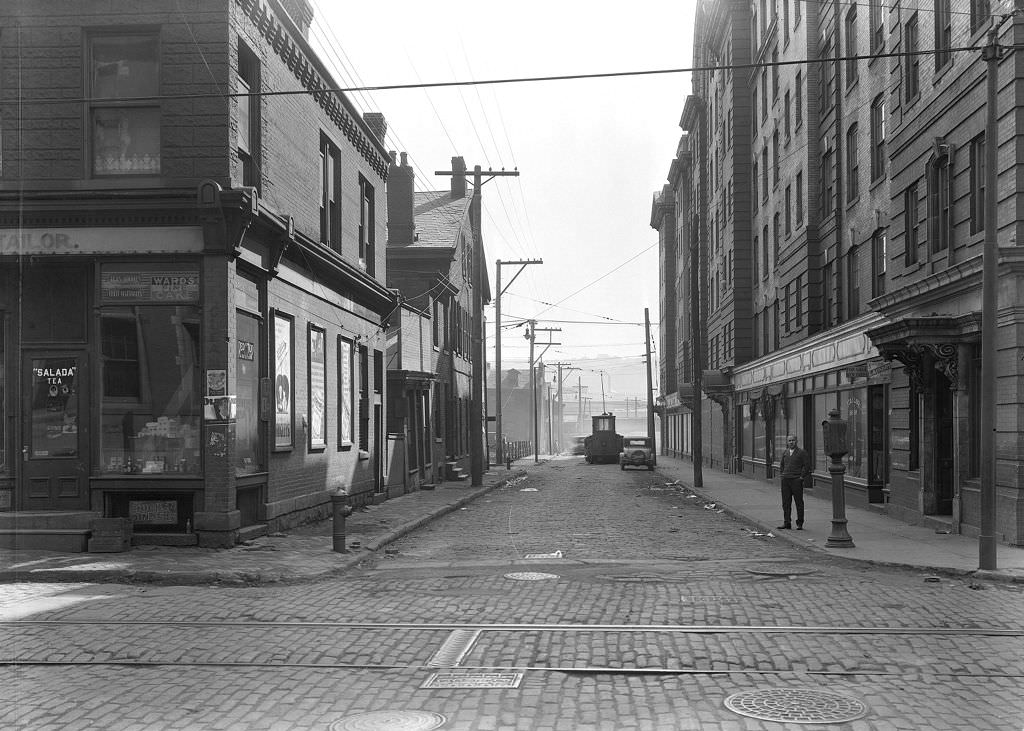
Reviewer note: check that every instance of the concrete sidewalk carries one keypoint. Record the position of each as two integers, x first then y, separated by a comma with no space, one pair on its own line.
877,539
306,554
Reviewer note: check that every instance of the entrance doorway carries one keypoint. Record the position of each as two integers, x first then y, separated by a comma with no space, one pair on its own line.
55,430
944,462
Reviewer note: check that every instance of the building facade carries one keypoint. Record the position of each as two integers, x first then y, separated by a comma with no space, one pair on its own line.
193,297
867,190
432,254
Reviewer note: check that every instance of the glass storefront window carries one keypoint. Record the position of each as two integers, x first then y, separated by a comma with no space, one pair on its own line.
794,425
823,402
151,405
3,404
248,439
853,404
759,450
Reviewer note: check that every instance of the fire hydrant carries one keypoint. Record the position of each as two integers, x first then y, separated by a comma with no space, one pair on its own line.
340,509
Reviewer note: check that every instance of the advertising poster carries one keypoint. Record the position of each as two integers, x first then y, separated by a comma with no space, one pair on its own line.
282,381
317,396
345,396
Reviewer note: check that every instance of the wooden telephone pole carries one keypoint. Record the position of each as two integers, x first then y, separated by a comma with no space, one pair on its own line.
478,426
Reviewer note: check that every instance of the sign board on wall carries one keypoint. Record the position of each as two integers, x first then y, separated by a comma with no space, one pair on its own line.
149,283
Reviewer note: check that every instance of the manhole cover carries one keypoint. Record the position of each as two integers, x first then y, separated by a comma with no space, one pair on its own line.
473,680
389,721
796,705
530,576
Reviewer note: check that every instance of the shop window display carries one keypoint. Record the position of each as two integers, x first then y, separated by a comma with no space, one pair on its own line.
151,395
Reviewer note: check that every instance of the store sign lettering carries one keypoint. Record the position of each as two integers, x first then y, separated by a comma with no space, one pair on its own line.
55,375
27,242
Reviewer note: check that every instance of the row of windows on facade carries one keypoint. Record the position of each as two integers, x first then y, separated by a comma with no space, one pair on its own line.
458,335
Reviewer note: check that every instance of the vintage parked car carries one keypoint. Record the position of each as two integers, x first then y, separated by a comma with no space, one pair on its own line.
638,452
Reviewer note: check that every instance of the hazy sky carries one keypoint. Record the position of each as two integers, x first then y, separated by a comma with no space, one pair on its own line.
591,152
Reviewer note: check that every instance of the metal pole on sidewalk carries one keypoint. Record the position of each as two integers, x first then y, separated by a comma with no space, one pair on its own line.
989,304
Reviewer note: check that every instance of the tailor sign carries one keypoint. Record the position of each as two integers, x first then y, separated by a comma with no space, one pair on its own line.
78,241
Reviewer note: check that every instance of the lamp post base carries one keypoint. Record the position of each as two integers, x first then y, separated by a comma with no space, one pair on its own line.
840,538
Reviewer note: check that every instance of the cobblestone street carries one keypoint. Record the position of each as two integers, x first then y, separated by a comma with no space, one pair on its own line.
646,608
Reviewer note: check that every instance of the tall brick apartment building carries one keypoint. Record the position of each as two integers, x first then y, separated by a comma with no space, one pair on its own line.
192,291
865,183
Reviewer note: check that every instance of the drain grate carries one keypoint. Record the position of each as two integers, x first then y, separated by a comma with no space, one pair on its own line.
473,680
530,576
390,721
796,705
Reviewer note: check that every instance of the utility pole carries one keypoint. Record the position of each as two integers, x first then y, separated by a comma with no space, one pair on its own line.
650,384
478,427
533,381
500,446
560,407
579,404
989,304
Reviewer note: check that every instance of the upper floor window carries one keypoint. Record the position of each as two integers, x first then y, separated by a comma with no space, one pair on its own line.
330,194
248,105
977,189
853,282
367,233
851,46
878,137
852,164
943,33
981,11
799,107
124,113
828,189
799,199
786,110
879,257
940,200
911,225
911,61
877,21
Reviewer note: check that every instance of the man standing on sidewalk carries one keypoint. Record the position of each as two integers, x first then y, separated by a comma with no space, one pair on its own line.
795,467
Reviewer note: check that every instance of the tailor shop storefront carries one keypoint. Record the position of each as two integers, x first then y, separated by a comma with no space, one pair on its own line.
101,381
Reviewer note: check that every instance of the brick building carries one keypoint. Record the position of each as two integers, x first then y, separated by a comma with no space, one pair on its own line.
193,293
866,189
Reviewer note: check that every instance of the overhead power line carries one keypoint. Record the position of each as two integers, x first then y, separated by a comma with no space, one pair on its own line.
508,80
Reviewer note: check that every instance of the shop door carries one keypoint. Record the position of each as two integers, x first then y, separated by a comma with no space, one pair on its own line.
55,423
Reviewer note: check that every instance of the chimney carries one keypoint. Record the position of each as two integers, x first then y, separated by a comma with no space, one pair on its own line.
301,13
400,187
458,177
377,124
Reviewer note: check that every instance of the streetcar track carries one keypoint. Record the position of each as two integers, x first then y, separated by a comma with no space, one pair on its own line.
500,627
469,669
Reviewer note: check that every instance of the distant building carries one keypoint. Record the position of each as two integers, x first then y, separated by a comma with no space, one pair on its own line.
192,287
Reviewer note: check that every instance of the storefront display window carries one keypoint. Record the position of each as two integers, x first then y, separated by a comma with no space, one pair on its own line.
794,425
151,405
853,406
248,441
759,450
823,402
747,430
